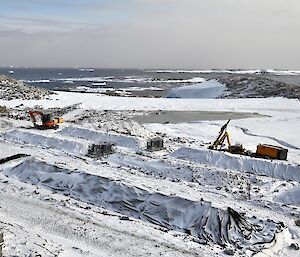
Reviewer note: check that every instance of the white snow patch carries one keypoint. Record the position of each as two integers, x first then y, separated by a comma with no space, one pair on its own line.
37,81
100,102
275,169
290,196
208,89
65,145
96,136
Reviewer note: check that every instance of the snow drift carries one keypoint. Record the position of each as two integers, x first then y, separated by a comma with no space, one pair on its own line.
199,219
290,196
119,140
208,89
274,169
68,146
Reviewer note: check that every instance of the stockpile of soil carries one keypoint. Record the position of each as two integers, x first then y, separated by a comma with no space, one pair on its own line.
13,89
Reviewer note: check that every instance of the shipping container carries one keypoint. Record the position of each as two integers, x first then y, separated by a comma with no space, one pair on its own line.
272,151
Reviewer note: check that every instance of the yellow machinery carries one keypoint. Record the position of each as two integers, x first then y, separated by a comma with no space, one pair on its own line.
262,151
58,120
223,134
219,142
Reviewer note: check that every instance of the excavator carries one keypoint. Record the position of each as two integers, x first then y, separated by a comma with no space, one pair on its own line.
262,150
219,142
47,121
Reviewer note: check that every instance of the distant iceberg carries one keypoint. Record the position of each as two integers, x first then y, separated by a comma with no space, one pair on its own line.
86,69
38,81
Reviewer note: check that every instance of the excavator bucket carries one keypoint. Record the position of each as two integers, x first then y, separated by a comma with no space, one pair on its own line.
58,120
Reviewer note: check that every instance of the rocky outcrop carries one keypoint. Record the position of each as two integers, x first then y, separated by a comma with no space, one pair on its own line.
14,89
249,86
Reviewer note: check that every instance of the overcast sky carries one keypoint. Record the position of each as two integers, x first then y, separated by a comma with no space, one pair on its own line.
175,34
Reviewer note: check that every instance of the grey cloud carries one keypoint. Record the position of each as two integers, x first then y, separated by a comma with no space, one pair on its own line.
176,34
36,24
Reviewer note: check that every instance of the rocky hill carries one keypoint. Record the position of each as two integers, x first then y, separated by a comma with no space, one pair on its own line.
248,86
13,89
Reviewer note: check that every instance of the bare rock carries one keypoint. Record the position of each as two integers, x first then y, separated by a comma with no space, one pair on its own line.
250,86
297,223
229,251
14,89
294,246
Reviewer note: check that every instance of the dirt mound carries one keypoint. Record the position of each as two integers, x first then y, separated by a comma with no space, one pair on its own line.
249,86
13,89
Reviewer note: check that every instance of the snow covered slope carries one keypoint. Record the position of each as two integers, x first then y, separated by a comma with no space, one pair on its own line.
207,89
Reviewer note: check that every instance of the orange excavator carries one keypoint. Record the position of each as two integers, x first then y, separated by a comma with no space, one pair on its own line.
44,121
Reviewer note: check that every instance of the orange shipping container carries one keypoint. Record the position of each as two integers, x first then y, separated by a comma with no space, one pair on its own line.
271,151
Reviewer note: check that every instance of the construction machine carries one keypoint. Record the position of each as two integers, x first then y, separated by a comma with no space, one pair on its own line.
219,142
44,121
262,151
223,134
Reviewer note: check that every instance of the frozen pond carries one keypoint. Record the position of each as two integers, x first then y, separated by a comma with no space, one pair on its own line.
175,117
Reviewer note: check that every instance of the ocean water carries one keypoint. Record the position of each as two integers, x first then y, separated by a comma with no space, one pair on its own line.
61,78
68,78
131,82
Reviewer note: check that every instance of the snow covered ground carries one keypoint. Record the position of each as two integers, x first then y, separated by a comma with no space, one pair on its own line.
184,200
207,89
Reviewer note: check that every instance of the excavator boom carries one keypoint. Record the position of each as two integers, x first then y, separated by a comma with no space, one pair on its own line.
223,134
